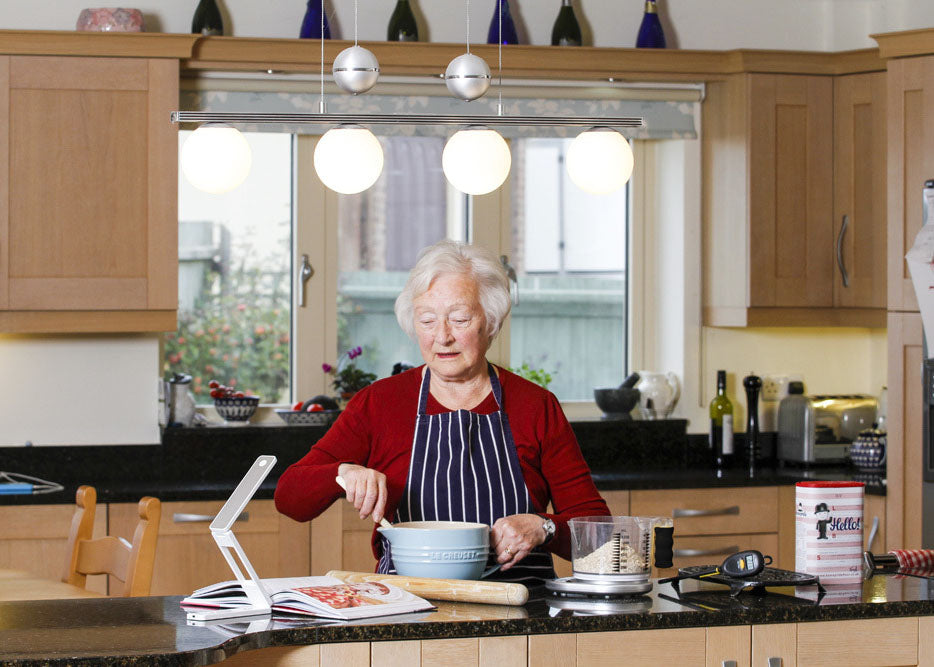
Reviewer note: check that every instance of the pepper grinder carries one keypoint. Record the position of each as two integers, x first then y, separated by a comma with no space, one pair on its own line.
753,384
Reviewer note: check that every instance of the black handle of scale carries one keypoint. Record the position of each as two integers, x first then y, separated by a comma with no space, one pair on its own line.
664,541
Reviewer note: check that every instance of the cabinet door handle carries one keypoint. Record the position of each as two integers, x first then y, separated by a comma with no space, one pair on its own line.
729,663
183,517
690,553
680,513
305,272
843,273
775,662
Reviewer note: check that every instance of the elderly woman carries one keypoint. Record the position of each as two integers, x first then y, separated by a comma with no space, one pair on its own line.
456,439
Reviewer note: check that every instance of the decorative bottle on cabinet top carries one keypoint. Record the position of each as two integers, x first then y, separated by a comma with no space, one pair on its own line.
311,24
566,31
207,19
402,26
651,35
502,15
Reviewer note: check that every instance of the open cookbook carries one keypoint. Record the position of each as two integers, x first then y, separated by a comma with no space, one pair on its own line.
325,597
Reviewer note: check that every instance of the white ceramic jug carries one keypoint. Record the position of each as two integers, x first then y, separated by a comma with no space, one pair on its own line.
658,394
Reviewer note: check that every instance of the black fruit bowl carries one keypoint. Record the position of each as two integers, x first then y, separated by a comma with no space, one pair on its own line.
616,402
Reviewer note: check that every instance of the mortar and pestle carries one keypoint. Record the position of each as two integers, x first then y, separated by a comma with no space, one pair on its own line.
617,402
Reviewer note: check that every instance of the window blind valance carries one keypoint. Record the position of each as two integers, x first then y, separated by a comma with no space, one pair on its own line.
669,112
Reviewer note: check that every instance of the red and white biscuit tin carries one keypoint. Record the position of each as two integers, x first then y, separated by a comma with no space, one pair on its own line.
829,530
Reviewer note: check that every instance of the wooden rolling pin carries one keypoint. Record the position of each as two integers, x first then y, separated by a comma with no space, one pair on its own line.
456,590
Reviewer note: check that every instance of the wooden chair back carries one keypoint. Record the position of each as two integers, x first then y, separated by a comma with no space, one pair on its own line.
131,563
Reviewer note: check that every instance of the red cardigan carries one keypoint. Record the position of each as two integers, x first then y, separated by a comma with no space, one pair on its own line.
377,428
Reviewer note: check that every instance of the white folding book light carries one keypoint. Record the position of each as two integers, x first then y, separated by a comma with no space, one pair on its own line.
223,535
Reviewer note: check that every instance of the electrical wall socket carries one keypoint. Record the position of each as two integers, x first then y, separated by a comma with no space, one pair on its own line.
775,386
770,388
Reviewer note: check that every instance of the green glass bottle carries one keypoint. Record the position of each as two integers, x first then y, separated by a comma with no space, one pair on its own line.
566,31
402,26
207,19
721,425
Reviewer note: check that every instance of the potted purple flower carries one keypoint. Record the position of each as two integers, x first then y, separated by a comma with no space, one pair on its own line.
348,378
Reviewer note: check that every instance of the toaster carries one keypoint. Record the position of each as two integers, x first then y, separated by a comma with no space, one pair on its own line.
821,428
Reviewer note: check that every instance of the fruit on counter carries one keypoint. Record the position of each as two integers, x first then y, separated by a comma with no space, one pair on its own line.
326,402
219,390
314,407
298,406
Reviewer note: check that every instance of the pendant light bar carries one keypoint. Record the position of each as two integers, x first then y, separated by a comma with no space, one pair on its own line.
234,117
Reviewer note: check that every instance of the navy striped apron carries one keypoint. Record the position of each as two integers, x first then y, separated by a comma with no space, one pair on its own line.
465,467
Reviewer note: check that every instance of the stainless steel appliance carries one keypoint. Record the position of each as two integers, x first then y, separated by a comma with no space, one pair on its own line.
821,428
927,393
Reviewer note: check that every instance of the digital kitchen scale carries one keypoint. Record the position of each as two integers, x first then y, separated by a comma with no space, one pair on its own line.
604,587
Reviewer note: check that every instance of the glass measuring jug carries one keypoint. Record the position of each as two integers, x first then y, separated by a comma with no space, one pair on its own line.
614,547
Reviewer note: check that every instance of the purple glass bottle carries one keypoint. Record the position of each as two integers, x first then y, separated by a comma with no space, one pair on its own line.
509,36
651,35
311,24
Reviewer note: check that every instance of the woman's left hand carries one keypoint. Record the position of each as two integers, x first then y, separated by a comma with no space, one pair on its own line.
513,537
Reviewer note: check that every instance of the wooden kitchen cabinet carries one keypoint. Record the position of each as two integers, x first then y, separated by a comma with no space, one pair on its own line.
188,558
859,225
34,538
88,194
910,140
769,201
905,461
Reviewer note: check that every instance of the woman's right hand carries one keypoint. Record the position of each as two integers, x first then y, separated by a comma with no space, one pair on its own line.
366,489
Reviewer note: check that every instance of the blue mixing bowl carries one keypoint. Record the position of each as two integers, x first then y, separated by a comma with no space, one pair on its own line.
439,549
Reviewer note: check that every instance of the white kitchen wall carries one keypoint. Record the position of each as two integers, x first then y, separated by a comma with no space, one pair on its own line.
831,361
832,25
79,390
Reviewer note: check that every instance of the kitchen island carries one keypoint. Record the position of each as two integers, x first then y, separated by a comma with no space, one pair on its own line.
887,620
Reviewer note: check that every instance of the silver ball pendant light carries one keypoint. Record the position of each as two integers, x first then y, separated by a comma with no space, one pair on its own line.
476,160
355,68
348,158
467,76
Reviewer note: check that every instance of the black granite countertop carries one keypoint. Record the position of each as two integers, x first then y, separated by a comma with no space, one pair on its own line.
207,463
153,631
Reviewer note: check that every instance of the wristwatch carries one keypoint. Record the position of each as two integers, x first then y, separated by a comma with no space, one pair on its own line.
549,527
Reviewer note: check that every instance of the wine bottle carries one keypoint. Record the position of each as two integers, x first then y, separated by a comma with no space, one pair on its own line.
311,24
566,31
207,19
721,425
502,15
402,26
651,35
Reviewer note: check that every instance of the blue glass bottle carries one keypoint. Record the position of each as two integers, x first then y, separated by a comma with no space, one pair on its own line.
311,24
651,35
509,35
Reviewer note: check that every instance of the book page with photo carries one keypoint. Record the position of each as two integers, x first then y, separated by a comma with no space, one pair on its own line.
326,597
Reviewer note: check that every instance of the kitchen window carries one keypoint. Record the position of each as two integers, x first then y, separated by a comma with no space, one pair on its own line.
235,279
240,255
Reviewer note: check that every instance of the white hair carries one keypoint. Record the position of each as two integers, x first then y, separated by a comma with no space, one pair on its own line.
452,257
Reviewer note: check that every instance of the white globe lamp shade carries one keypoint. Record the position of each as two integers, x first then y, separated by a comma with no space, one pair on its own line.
216,158
599,161
348,159
476,160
